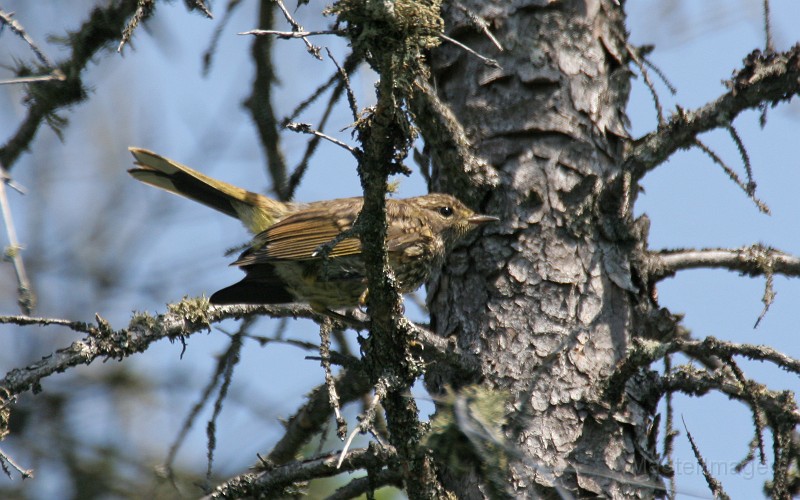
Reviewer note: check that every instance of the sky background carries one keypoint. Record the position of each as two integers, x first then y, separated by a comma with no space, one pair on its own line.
84,216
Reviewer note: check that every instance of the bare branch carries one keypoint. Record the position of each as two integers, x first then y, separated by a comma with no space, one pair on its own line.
186,318
750,351
259,103
341,76
215,37
749,188
325,361
769,46
767,298
292,34
748,167
367,418
638,59
144,8
270,483
770,78
190,418
227,363
351,97
758,419
351,384
363,485
713,484
7,20
312,49
5,459
305,128
56,75
199,5
669,430
486,60
102,27
756,260
25,296
480,22
694,382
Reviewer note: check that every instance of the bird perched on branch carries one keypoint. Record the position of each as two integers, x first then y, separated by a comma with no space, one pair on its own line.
299,253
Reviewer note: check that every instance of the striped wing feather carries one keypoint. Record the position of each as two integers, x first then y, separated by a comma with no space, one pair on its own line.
298,236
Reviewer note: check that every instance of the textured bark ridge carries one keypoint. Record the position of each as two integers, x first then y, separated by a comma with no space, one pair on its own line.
553,281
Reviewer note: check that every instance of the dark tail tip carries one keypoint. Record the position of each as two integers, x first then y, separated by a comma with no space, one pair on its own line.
249,292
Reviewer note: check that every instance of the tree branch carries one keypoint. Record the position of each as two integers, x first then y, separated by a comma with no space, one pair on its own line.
309,419
695,382
765,78
259,103
363,485
756,260
185,318
271,483
105,24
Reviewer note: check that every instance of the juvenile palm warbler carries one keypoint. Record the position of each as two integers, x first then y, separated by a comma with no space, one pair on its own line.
285,261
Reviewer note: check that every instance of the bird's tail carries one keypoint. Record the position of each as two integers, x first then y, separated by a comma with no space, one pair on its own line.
257,212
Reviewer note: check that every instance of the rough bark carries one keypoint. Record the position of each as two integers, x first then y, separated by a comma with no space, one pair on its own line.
552,283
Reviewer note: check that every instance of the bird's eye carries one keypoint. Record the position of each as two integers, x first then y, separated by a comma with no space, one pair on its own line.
446,211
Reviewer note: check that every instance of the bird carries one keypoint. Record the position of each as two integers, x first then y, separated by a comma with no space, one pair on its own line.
299,254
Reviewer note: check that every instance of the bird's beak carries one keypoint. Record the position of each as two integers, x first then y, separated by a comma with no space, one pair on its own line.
482,219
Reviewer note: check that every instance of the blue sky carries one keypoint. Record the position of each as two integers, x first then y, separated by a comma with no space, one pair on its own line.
153,96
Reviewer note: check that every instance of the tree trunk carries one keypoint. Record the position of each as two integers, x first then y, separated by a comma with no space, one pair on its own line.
546,299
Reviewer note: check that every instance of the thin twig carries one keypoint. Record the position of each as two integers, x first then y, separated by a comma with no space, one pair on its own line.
755,408
713,484
350,65
305,128
480,22
56,75
486,60
215,37
259,102
748,167
25,296
306,422
292,34
351,97
667,83
7,19
669,429
363,485
749,188
635,56
366,419
275,479
325,361
143,10
770,47
5,459
312,49
229,362
768,297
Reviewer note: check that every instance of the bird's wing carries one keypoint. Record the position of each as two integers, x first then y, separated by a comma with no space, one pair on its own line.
299,236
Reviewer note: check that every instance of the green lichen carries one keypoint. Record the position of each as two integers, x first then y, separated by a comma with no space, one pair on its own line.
403,29
192,309
143,321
